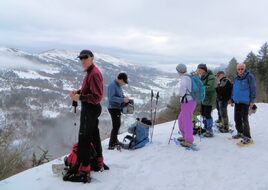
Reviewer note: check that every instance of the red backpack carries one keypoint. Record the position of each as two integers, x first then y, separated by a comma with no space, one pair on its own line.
76,172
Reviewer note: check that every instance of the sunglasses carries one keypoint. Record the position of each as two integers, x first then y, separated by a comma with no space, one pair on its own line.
83,57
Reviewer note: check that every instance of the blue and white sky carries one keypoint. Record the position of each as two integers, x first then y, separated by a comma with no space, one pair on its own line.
142,31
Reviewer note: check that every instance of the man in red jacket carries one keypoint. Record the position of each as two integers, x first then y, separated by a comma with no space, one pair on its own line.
90,95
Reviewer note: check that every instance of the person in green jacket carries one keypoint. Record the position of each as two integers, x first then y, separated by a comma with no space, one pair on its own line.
209,81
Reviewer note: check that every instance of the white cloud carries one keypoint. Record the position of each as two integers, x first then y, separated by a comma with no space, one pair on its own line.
187,30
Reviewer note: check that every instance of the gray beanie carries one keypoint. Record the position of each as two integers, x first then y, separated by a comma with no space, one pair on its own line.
181,68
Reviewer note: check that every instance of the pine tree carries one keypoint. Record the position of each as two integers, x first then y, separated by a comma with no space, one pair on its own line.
263,61
261,76
231,69
251,63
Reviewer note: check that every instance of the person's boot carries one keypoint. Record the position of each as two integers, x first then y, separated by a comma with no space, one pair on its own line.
186,144
238,136
218,121
180,139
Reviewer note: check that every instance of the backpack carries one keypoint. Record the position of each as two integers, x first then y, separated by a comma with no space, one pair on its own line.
75,171
198,88
140,134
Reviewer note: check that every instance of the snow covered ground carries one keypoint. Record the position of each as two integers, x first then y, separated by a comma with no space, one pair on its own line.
220,164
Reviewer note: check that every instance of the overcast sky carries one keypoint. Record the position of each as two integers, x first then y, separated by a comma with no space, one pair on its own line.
149,31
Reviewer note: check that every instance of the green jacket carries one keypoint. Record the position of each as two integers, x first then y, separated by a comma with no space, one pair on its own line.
209,81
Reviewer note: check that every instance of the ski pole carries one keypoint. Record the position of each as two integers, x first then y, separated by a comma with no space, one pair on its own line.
172,131
75,104
152,96
200,128
157,97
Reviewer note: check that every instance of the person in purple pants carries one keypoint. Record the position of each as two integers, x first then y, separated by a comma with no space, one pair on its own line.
187,107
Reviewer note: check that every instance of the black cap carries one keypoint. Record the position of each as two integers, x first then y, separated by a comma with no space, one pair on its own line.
202,66
85,54
123,76
220,72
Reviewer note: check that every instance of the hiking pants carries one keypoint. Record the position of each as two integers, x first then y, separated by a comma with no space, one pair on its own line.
207,119
116,120
241,119
89,132
185,120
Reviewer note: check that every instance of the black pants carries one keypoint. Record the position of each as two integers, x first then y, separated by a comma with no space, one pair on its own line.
206,111
223,112
218,109
116,120
241,119
89,132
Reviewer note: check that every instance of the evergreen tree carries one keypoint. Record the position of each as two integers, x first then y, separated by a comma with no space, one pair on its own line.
263,61
251,63
231,69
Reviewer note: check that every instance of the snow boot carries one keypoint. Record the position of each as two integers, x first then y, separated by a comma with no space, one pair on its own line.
180,139
238,136
186,144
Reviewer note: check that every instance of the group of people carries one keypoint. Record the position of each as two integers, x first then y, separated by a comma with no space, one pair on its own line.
242,93
221,91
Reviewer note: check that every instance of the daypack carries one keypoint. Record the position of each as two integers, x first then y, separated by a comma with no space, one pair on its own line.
75,172
198,88
140,134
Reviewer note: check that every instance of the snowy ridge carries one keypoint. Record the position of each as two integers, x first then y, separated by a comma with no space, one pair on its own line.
57,55
220,164
110,59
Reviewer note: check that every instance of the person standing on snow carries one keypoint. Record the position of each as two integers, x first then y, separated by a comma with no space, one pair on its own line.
116,98
187,107
90,95
209,82
244,95
224,93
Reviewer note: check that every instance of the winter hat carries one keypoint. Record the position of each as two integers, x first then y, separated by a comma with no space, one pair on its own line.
85,54
181,68
202,66
123,76
220,72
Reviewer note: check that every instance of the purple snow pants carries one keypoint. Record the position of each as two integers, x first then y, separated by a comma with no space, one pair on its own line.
185,120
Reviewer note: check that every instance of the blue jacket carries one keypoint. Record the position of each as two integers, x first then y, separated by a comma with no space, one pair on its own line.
244,89
115,95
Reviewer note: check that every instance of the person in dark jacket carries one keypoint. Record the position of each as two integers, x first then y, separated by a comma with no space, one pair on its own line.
116,98
224,93
209,82
244,95
90,95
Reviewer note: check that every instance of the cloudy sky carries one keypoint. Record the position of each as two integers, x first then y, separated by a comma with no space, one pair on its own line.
148,31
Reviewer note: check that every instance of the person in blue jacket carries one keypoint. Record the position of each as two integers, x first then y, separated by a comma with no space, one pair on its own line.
116,98
244,95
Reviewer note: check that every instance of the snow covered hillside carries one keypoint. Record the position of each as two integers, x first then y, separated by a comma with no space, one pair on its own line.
219,164
34,93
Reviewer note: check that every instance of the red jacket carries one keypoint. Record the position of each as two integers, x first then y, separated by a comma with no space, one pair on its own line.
92,86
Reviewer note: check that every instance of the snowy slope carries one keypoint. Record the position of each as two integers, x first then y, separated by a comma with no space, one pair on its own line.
220,164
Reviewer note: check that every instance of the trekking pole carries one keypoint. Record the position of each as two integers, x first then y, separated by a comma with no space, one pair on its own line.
200,128
172,131
151,110
152,96
74,104
157,97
